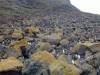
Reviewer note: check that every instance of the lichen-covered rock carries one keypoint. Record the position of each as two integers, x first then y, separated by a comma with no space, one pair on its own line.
87,43
80,49
17,34
15,45
63,58
62,68
18,44
32,29
43,46
64,42
56,68
43,56
10,63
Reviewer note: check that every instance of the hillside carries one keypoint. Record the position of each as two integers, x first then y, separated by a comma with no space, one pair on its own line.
62,10
48,37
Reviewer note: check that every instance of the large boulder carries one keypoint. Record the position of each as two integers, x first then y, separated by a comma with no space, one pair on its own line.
62,68
9,64
43,56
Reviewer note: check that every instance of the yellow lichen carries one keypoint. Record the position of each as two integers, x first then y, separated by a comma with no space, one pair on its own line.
43,56
32,29
64,41
67,69
10,64
62,58
75,48
17,44
58,30
87,43
43,45
70,69
55,67
24,42
17,34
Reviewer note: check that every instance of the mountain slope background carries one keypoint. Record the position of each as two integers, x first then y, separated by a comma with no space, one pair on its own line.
29,7
53,12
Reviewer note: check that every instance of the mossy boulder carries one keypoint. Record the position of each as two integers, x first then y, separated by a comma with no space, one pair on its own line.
43,46
62,68
10,63
43,56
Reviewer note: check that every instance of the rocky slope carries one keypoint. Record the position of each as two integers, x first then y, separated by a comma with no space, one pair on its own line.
57,10
48,37
28,7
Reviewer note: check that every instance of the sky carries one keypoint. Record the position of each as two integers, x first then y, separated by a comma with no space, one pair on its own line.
91,6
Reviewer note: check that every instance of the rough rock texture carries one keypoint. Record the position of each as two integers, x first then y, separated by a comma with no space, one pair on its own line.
56,20
49,13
